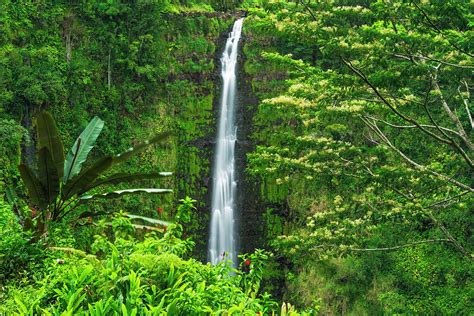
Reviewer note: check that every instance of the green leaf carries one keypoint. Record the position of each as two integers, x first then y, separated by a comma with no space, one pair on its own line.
148,219
75,300
20,306
33,184
146,227
172,309
48,175
124,177
81,148
119,193
48,137
124,310
140,147
143,227
235,308
81,182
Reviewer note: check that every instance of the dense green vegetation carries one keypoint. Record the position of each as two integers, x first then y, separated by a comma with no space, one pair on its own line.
127,276
364,147
362,151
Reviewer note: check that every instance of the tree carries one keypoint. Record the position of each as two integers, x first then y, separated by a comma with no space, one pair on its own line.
371,170
60,185
357,139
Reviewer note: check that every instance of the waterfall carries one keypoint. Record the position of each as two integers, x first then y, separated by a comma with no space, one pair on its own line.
222,239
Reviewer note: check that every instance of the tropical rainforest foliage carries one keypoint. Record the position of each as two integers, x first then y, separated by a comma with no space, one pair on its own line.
361,155
60,185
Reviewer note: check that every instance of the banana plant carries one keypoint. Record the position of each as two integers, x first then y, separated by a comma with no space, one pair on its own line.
60,184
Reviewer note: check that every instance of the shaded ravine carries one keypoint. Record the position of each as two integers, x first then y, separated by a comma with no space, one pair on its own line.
222,240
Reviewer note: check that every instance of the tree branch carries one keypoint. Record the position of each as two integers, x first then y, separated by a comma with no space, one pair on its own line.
448,141
411,126
412,59
401,246
465,101
443,202
437,30
383,137
308,9
386,102
450,237
453,116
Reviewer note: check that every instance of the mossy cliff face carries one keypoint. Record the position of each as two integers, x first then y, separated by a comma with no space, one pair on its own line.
263,80
193,95
249,224
143,69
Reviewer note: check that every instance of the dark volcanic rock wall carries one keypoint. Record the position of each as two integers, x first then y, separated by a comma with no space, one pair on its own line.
249,214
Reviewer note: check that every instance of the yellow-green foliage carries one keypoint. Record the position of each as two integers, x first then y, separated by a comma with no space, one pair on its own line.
127,275
336,140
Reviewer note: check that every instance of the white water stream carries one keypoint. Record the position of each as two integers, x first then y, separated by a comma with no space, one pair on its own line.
222,239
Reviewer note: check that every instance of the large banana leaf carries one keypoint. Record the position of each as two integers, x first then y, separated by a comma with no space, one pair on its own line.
48,175
140,147
80,182
125,177
148,219
119,193
81,148
144,227
48,137
33,184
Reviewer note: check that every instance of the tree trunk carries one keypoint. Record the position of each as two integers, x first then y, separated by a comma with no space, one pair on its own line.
109,72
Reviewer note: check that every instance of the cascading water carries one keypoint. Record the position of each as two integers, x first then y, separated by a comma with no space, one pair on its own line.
222,239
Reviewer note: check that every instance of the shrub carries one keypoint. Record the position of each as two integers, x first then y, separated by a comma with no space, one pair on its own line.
128,276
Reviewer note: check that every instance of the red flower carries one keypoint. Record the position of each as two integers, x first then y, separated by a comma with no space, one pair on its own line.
247,262
159,210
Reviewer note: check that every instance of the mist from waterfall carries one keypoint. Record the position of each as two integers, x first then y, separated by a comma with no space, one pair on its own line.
222,230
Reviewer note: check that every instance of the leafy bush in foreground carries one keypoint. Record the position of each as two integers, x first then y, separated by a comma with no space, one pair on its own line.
130,277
